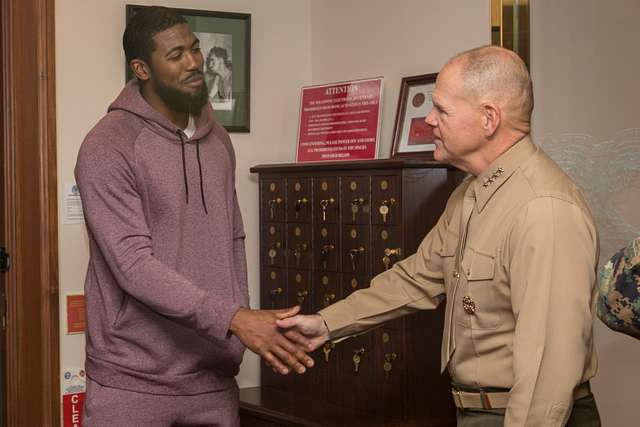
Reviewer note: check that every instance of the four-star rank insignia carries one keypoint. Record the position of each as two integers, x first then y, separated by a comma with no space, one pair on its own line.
487,182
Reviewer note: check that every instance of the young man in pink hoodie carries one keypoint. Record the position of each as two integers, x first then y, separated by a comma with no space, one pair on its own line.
166,286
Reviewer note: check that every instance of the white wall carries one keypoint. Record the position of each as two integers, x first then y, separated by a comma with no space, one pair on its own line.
89,69
585,63
370,38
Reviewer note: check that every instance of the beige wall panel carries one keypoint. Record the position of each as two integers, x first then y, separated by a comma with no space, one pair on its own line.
585,72
371,38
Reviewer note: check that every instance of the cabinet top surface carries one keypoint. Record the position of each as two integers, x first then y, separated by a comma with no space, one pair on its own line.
349,165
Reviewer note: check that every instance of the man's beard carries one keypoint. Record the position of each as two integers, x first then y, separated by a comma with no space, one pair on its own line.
181,101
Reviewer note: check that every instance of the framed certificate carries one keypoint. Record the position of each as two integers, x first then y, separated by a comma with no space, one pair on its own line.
412,136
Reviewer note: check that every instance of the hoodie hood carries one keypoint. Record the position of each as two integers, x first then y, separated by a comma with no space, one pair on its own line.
131,101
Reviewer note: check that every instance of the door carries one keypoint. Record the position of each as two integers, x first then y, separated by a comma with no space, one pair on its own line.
2,248
28,227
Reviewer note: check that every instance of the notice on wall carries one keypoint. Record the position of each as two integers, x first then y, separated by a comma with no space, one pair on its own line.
76,318
72,205
73,393
340,121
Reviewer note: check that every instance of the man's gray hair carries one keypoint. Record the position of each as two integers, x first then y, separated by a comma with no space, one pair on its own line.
499,73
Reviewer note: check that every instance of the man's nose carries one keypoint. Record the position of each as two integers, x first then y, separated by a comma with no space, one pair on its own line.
194,60
430,119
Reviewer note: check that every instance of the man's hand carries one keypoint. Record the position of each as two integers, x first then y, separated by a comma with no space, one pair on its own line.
308,331
257,330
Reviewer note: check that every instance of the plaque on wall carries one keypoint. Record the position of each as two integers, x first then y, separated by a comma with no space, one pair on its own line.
340,121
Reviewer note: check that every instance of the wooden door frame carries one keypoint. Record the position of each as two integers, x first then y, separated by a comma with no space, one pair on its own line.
30,225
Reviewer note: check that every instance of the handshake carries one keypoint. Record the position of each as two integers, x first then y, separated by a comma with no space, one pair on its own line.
281,337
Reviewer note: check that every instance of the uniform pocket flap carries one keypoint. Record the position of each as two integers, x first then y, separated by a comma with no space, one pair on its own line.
482,267
449,244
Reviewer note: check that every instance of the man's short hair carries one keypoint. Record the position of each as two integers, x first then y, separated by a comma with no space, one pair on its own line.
500,72
137,39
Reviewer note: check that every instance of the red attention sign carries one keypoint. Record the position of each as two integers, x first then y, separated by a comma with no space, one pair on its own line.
340,121
72,405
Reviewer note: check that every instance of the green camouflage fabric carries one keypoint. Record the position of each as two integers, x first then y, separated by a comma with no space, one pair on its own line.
619,299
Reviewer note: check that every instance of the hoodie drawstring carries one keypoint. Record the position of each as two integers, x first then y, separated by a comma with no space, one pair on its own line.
184,172
184,168
204,203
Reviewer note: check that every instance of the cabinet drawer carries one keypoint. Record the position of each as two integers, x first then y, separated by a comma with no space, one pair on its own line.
385,200
273,244
356,200
298,199
355,253
353,282
299,250
274,288
326,290
327,248
299,290
273,199
386,247
356,384
326,200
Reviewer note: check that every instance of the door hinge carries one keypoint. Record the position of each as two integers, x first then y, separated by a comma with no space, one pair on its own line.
5,260
4,267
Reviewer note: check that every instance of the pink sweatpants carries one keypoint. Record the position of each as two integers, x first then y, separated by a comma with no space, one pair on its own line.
109,407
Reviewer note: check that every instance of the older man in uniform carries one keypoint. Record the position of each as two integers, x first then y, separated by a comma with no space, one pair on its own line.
514,254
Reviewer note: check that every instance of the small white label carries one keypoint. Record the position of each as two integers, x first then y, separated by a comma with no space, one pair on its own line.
72,205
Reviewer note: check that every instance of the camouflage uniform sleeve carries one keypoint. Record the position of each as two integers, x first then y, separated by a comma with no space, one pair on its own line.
619,294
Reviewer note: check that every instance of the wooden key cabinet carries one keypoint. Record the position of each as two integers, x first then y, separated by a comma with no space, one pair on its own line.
325,230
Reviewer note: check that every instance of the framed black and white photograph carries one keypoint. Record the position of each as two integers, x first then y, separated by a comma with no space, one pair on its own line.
412,136
225,42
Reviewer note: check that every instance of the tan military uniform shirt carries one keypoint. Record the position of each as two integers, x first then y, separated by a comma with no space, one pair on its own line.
515,255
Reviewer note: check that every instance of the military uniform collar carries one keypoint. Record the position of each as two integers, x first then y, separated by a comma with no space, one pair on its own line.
499,171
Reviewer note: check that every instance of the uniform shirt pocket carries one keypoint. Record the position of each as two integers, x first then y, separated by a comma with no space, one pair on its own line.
478,297
448,253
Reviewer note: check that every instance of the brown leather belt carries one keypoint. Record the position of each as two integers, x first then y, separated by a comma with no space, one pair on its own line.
499,400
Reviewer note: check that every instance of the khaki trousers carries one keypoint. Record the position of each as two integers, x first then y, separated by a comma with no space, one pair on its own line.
584,414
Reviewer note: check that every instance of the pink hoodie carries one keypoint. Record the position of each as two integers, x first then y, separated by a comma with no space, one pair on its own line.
167,267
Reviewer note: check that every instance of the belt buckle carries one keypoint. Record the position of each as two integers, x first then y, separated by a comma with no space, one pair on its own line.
486,403
457,395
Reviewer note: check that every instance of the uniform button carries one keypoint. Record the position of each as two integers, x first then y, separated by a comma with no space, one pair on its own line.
456,274
468,305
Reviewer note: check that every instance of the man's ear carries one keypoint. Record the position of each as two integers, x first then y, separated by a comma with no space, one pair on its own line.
140,69
492,116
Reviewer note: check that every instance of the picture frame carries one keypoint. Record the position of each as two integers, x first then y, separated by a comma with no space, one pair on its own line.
225,41
412,137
